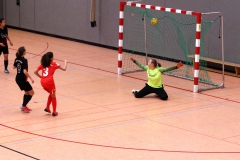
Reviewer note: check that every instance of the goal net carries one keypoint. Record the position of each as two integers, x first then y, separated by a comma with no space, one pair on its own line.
174,35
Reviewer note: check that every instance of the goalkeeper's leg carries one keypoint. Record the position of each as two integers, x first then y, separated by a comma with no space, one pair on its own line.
143,92
161,93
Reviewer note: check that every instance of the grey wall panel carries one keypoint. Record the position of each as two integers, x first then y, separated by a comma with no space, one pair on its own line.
12,13
93,33
230,11
161,3
231,25
108,22
70,18
44,16
4,8
190,5
27,14
1,8
212,45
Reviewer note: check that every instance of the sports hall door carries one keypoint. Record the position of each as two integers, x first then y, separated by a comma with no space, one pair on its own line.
19,13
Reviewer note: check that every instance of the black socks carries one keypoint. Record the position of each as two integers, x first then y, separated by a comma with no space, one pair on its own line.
26,99
5,64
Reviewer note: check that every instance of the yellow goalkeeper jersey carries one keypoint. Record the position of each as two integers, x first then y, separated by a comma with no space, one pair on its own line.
155,76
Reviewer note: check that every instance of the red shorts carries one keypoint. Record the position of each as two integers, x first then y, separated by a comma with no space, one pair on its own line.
50,88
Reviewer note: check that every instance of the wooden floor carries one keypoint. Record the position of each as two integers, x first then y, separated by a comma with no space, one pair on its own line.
99,119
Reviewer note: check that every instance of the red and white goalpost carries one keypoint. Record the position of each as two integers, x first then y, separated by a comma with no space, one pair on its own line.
178,11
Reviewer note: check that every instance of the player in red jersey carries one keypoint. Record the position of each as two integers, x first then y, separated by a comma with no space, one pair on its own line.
48,67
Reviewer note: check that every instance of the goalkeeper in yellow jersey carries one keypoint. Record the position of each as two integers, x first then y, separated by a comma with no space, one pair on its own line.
154,84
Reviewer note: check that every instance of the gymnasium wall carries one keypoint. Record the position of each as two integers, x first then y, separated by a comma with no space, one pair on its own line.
71,19
1,8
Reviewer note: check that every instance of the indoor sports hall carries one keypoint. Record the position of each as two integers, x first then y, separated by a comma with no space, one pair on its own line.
98,116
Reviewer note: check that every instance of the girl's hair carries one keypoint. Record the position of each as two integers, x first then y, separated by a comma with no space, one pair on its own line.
155,63
1,19
46,59
20,52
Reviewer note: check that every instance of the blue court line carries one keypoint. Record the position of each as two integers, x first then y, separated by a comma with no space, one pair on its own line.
112,77
127,122
111,125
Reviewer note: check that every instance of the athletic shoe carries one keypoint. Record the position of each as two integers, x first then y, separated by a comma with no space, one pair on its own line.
6,71
21,107
54,113
134,91
47,110
28,108
25,109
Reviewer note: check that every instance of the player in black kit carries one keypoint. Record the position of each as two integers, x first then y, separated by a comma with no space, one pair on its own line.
21,64
3,43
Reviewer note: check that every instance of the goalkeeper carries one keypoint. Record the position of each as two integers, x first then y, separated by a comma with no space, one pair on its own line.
154,84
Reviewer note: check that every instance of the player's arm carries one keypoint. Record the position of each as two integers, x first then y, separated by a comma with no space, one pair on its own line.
179,65
27,74
64,67
8,38
14,64
10,41
36,73
145,67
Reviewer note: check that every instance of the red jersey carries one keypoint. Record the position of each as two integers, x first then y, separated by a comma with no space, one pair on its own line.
48,72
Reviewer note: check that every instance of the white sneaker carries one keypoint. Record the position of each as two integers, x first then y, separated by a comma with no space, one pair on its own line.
134,91
6,71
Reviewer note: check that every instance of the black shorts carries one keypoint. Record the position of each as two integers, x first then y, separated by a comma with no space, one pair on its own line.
4,49
26,86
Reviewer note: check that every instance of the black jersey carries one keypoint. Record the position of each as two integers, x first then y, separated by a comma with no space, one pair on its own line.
21,64
3,35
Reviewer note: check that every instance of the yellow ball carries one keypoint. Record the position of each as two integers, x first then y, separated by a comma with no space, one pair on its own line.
154,21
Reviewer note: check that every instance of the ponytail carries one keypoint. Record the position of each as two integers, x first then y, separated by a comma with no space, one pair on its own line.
20,52
155,63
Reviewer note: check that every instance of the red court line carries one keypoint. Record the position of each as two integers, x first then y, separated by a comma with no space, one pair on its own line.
35,55
220,98
145,80
132,114
107,117
192,131
115,147
140,149
32,53
133,77
109,109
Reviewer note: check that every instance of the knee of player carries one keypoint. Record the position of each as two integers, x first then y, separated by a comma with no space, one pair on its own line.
53,95
31,92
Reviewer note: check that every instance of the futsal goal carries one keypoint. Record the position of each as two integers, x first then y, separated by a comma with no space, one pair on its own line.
174,35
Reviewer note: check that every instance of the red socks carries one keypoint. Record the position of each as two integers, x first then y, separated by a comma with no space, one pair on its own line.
54,104
49,102
52,100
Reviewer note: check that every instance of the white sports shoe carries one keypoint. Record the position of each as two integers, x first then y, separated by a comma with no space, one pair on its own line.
134,91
